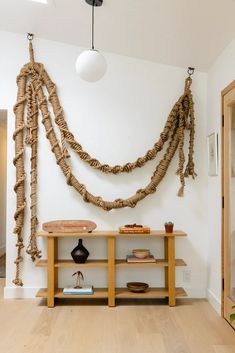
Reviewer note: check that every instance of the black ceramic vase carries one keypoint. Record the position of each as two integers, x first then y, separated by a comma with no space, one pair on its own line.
79,253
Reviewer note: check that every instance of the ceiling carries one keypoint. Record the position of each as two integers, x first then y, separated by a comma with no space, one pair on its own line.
175,32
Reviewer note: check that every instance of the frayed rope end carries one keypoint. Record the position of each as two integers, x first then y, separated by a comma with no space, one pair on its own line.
181,192
18,282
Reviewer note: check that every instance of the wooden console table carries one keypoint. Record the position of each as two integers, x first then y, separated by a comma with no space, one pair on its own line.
111,293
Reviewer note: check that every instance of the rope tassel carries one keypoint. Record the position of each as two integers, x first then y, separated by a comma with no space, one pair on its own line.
181,191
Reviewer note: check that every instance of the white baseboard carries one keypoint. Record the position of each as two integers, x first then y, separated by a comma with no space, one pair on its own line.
20,292
195,293
214,301
30,292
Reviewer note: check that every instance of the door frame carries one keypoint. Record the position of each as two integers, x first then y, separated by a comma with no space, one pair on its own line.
225,91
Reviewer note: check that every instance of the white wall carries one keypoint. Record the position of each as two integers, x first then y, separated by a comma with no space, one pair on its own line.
116,119
3,177
219,76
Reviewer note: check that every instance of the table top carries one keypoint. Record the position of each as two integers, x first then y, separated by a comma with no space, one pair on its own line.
113,234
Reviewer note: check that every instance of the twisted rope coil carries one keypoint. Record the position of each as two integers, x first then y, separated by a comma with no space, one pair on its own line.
31,81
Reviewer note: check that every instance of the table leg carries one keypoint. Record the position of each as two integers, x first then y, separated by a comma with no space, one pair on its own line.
166,258
171,270
50,271
56,268
111,271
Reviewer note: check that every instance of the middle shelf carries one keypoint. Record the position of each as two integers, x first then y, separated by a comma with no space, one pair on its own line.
104,263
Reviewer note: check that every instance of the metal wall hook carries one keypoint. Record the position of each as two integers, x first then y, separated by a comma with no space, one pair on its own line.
30,36
191,71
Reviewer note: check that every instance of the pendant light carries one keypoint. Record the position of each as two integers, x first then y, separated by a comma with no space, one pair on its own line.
91,65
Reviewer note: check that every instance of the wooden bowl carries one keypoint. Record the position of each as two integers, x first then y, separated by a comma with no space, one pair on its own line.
137,287
141,253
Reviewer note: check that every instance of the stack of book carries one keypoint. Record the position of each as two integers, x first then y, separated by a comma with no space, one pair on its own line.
79,291
134,230
134,259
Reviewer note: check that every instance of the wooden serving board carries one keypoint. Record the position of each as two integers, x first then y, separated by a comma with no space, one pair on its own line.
69,226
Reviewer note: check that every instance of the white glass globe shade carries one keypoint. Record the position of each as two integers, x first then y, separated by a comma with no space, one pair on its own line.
91,65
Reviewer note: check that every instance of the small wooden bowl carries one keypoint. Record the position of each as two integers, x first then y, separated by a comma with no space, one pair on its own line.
137,287
141,253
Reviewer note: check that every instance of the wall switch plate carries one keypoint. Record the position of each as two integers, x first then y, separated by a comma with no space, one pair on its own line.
187,276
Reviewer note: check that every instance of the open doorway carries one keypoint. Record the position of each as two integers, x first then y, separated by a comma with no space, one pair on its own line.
3,182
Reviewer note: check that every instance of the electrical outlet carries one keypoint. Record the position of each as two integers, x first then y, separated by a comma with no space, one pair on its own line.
187,276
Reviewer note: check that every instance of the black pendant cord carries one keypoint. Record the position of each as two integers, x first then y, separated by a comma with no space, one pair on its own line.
93,3
93,26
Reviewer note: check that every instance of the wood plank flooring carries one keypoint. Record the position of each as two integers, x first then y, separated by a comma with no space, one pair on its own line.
28,326
3,266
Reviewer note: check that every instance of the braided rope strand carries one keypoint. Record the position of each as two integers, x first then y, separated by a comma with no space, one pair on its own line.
18,161
32,81
93,162
32,248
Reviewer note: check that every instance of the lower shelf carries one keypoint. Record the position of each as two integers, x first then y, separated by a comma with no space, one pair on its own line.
120,293
98,293
150,293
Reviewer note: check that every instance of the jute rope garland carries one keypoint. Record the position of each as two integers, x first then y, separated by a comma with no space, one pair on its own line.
31,98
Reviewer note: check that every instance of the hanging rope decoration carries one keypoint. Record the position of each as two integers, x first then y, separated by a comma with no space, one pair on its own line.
31,82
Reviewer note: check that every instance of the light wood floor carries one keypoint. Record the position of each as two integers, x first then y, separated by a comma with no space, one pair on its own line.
2,265
27,326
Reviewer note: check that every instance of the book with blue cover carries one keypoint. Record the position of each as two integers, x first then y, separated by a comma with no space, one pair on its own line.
79,291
